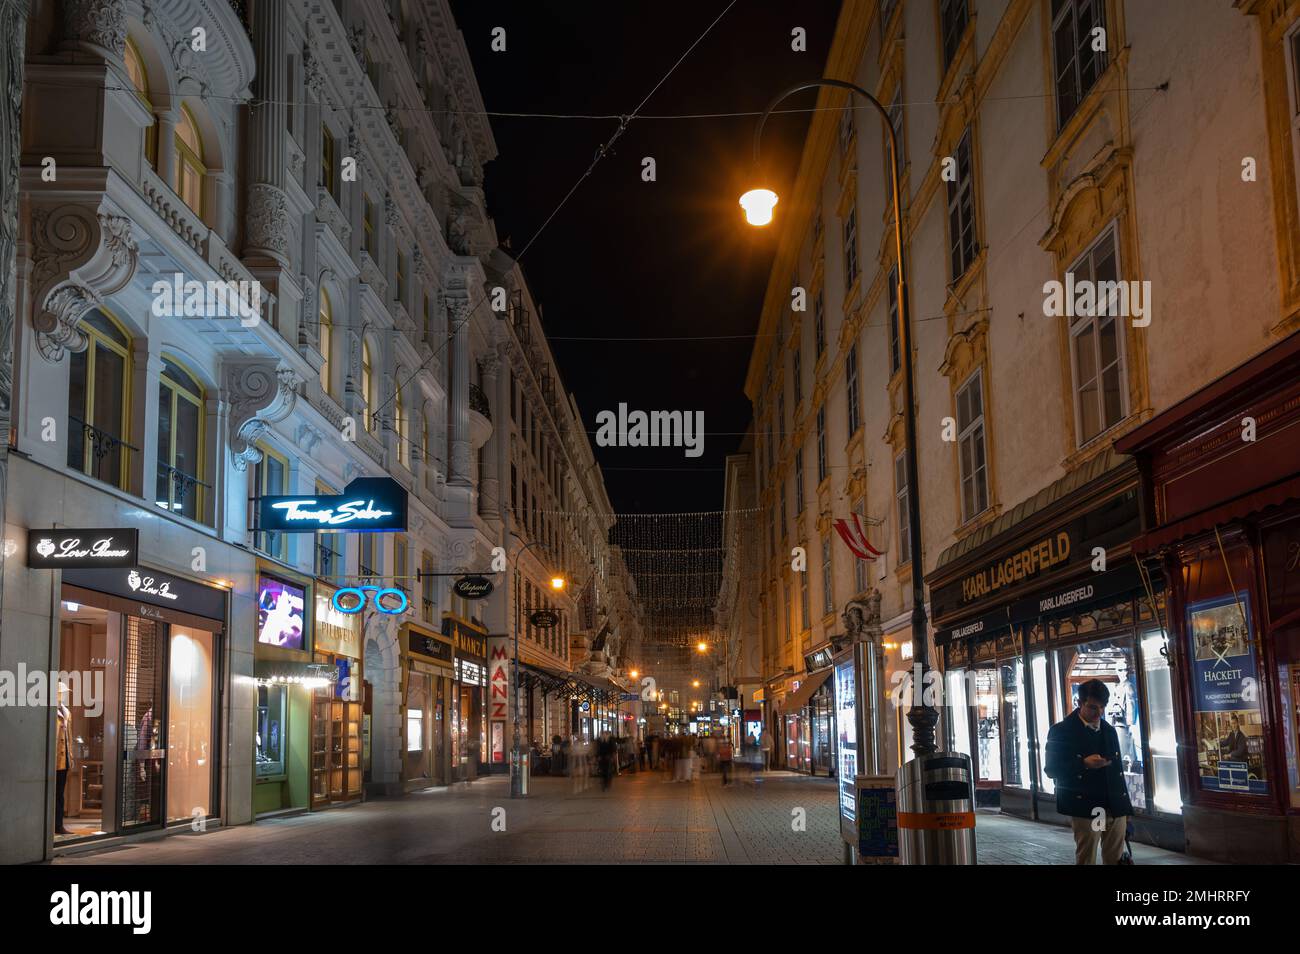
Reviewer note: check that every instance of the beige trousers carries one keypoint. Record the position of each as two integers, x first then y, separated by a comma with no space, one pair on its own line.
1086,840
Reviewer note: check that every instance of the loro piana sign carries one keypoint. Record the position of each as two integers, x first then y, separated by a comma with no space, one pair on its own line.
56,549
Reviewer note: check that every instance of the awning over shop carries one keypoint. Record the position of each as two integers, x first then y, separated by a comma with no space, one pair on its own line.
1245,506
806,690
550,681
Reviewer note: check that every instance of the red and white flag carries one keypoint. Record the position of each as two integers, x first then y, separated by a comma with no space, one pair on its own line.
856,538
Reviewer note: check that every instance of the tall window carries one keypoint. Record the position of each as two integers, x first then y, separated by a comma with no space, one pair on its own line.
953,17
271,479
851,386
961,211
401,552
798,482
328,158
368,226
139,76
428,588
783,504
329,547
851,248
400,277
428,320
98,415
895,351
901,491
798,375
1097,347
1075,58
189,162
367,383
805,612
821,444
367,556
401,424
970,447
846,130
819,323
886,12
180,441
828,594
325,333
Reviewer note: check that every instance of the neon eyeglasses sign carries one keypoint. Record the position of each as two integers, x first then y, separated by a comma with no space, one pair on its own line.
352,599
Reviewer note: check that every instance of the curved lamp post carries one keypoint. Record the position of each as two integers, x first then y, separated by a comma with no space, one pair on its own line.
758,204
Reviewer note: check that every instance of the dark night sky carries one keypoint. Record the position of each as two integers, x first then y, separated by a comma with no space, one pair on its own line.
626,258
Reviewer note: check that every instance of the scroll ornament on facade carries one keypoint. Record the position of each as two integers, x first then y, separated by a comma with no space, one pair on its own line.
260,395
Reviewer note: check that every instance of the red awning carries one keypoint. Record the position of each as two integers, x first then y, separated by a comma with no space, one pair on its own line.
1243,506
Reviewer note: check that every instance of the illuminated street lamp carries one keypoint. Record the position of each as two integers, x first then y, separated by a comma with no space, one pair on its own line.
758,205
923,718
557,583
702,646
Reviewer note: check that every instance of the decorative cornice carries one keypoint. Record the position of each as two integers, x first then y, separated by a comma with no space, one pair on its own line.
260,394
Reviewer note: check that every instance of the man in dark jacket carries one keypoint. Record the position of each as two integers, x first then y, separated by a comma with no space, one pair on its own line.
1083,758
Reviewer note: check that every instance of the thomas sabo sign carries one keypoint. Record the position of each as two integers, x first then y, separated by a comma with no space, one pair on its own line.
367,504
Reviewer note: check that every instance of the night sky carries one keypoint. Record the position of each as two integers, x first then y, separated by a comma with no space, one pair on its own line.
631,259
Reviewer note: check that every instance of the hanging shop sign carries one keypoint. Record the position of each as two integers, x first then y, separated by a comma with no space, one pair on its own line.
544,618
425,645
55,549
817,659
366,505
498,696
352,599
472,587
142,585
468,643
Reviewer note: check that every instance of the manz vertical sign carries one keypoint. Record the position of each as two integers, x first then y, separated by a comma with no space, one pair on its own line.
498,696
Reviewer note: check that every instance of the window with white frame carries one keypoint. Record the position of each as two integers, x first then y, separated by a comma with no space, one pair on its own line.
1097,347
821,445
1078,51
828,595
901,491
851,386
971,447
962,243
850,247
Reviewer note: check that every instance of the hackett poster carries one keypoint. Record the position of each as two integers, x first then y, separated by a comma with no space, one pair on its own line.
1229,729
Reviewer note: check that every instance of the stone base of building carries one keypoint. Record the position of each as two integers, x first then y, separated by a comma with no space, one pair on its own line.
1236,838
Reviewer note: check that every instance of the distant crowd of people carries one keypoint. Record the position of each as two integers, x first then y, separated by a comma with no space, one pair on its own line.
682,757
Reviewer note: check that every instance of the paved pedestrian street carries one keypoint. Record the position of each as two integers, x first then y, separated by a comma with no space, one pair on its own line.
643,818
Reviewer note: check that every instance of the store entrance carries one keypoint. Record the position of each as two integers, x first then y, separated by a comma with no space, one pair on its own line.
134,725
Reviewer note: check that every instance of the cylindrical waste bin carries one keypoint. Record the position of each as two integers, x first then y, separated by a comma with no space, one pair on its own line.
936,810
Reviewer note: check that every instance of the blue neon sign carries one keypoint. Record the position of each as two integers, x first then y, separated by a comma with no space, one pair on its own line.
361,594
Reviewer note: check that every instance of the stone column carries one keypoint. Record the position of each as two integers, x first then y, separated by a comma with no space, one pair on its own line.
167,148
268,210
489,504
460,440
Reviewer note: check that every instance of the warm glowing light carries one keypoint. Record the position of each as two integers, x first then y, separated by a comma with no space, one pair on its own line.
635,674
695,683
702,647
758,205
557,582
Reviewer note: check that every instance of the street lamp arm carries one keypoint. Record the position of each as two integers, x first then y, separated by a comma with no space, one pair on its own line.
816,84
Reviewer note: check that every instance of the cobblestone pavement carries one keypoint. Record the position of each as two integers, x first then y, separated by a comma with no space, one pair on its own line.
644,818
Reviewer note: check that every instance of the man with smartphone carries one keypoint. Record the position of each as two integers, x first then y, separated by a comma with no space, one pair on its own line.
1083,758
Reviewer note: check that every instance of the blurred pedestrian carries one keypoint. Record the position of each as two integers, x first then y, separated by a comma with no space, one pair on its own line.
724,761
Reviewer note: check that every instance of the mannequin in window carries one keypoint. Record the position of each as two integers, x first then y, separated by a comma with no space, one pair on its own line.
1122,712
63,755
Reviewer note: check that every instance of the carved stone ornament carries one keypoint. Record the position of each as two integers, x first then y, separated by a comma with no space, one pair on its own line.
80,257
861,621
268,220
260,394
95,25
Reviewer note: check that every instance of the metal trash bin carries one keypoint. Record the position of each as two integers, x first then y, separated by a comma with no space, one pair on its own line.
936,810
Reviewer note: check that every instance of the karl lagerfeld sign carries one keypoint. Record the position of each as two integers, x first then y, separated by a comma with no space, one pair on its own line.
55,549
367,504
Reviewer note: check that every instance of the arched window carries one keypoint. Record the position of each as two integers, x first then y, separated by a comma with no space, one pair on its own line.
98,407
326,336
180,441
367,382
189,162
400,425
424,441
139,76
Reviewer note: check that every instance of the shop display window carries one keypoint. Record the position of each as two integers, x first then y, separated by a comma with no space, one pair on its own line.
189,728
1038,666
988,725
271,727
958,710
1111,661
1015,727
1289,680
1166,791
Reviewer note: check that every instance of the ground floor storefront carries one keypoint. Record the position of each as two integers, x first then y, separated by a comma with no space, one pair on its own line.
1222,488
